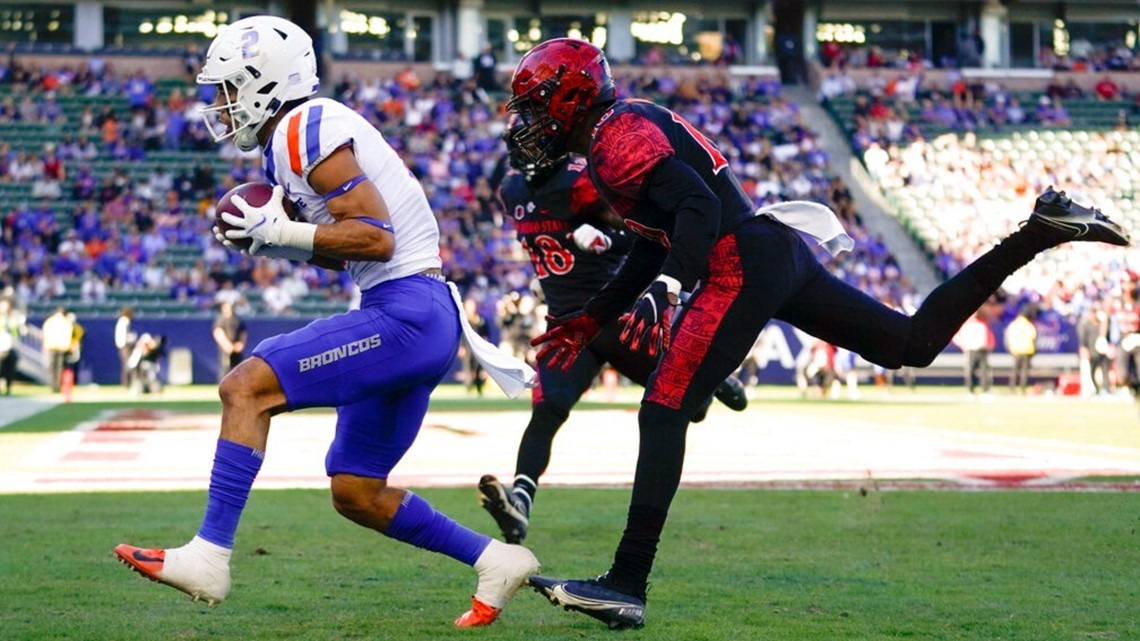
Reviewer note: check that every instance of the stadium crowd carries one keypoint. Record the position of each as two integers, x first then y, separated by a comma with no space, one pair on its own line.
1083,55
122,224
119,225
959,193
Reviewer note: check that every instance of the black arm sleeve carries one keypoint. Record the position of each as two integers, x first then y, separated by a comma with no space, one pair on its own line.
677,188
641,266
621,241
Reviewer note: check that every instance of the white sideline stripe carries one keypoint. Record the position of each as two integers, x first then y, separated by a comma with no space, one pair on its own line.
456,449
14,409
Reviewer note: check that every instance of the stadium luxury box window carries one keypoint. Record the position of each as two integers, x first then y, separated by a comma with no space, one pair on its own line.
37,23
685,38
385,35
529,31
129,28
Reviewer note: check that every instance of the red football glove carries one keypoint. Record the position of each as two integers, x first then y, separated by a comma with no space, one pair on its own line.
649,321
564,338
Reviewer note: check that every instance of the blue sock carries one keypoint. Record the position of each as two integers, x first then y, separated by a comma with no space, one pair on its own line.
418,523
235,467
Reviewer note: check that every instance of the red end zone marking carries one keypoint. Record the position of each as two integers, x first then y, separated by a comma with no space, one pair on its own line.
1007,478
100,456
125,426
136,420
130,420
111,437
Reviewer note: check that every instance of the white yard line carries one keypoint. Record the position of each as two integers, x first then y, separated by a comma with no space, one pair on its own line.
171,451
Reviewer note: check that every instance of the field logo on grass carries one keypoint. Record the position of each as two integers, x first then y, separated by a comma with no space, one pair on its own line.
335,354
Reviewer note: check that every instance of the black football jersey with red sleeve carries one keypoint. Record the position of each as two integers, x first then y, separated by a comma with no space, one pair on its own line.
545,217
632,145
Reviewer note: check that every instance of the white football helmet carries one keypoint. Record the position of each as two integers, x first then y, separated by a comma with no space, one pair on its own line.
266,61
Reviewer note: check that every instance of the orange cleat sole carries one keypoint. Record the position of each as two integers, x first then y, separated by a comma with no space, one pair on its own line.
479,615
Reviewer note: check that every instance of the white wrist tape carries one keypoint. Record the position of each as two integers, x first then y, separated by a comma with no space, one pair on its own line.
299,235
672,285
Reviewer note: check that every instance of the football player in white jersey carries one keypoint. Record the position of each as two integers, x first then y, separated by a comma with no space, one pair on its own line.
378,365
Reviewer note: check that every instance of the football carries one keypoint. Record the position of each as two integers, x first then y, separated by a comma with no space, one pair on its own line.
254,193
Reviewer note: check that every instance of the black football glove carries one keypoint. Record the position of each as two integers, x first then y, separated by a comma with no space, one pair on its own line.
650,320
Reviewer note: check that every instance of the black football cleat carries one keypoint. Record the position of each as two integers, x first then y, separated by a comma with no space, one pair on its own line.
1055,213
594,598
510,516
731,394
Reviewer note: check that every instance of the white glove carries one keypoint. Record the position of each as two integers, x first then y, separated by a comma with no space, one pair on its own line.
591,239
266,251
269,228
226,242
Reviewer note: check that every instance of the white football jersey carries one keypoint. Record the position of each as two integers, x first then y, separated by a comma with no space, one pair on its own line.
314,130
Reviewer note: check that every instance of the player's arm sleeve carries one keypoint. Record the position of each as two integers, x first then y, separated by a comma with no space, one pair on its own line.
621,241
677,188
324,262
641,266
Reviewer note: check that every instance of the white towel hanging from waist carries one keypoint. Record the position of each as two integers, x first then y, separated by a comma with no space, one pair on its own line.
812,219
511,374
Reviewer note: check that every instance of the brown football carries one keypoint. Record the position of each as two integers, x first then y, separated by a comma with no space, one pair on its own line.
254,193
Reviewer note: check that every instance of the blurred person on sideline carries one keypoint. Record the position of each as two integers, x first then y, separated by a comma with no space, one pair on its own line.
125,338
976,340
75,347
473,374
1095,350
11,329
231,335
1021,343
57,332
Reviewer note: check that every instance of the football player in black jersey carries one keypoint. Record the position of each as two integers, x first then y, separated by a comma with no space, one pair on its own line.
675,190
576,246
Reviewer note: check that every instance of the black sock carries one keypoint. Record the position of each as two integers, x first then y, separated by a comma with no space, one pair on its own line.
534,449
952,302
659,462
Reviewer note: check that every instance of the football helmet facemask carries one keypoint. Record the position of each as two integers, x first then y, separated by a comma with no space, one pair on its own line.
554,86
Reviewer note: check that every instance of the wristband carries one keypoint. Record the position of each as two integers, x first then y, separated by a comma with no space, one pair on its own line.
673,287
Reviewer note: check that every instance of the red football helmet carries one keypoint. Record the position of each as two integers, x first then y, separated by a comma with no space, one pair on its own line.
553,88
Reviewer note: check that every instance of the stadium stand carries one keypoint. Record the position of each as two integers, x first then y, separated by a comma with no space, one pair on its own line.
126,221
141,175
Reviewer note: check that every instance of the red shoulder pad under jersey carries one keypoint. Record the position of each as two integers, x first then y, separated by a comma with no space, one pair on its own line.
584,197
627,146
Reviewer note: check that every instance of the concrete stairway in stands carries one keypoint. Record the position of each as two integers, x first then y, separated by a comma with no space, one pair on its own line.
868,198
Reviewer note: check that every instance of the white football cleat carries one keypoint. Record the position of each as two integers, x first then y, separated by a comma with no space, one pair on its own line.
199,568
503,568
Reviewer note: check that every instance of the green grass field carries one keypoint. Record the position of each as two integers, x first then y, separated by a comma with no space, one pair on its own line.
734,564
